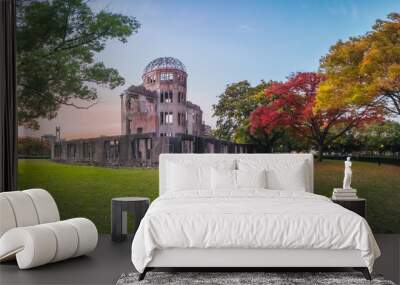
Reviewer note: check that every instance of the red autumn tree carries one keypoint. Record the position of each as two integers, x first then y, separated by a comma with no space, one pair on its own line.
291,106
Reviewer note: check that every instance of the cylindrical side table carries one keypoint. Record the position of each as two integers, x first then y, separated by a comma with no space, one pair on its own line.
119,214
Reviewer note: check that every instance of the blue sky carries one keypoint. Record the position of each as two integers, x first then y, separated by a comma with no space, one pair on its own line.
220,42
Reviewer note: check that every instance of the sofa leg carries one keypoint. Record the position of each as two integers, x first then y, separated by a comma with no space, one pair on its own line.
364,271
143,274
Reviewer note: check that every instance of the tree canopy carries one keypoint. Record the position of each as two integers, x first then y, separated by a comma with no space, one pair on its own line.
378,137
56,46
384,136
364,70
291,105
31,147
358,84
234,107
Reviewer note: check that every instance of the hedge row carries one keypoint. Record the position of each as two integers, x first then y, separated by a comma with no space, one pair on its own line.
376,159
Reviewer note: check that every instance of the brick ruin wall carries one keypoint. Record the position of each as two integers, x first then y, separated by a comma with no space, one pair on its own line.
139,150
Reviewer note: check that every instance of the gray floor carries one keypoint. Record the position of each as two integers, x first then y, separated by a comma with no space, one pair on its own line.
110,260
103,266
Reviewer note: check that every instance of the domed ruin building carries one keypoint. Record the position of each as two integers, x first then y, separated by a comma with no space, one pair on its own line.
159,105
156,118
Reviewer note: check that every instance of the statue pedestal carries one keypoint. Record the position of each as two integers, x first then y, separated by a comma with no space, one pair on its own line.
344,190
344,194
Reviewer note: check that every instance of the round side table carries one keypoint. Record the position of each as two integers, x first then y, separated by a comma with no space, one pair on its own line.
119,214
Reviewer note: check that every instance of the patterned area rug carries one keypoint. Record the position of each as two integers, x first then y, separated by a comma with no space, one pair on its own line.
269,278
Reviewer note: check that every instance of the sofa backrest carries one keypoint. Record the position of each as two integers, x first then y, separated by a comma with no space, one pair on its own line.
268,159
26,208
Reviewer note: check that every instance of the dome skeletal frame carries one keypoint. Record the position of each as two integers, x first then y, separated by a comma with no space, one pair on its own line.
164,63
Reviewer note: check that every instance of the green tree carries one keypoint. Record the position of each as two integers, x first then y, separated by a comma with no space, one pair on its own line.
29,146
279,140
382,137
375,138
56,46
347,143
234,108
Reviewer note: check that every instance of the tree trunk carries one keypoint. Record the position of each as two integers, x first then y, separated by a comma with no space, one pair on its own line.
320,149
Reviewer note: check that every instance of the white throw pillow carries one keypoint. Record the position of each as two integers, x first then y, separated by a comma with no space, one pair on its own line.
182,177
251,178
282,174
189,175
291,178
223,179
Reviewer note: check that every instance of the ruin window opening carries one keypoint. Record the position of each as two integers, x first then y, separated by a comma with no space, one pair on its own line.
149,145
169,118
166,76
135,149
71,151
57,151
86,152
168,97
151,79
128,126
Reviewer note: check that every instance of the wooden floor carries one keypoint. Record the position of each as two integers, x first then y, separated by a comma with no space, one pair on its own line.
110,260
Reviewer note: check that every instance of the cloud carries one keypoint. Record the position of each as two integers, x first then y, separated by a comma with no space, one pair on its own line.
246,28
146,8
344,8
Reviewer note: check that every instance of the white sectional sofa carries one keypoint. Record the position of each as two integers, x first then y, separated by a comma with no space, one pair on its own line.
31,231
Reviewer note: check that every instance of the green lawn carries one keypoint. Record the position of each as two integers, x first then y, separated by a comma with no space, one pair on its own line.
87,191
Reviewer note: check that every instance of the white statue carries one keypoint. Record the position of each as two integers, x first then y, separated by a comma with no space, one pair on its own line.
347,174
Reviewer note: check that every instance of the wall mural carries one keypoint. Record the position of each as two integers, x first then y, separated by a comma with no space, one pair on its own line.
103,90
